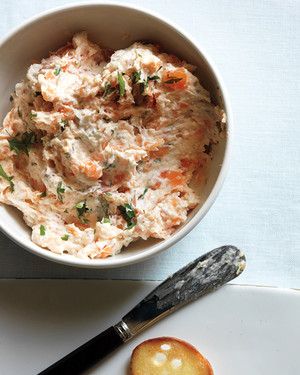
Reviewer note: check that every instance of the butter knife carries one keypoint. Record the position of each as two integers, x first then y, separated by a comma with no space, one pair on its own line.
204,275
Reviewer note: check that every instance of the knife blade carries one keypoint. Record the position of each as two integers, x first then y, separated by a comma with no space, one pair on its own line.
200,277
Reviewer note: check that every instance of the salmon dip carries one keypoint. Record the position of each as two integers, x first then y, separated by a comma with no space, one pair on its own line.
102,147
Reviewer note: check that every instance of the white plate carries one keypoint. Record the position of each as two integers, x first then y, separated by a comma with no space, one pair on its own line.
242,330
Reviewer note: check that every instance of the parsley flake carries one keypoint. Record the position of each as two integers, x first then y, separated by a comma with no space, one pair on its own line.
42,230
32,115
144,192
60,190
23,144
65,237
57,70
81,209
153,78
136,76
64,122
108,89
128,214
7,178
121,84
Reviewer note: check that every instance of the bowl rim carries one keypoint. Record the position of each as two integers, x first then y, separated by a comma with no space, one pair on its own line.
176,237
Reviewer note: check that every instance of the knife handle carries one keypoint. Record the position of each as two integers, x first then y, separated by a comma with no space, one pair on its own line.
86,355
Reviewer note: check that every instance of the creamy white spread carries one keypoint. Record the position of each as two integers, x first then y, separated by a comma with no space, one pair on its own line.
100,148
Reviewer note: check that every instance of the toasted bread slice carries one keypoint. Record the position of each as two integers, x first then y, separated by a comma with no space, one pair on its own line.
168,356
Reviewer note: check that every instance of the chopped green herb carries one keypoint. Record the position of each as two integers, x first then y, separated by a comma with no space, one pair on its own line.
131,225
7,178
43,194
108,89
37,93
57,70
11,98
106,220
81,209
32,115
153,78
23,144
159,69
135,77
173,80
65,237
42,230
109,165
121,84
144,192
64,123
60,190
128,214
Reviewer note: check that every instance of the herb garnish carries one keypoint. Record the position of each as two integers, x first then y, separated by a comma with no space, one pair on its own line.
108,165
128,214
60,190
43,194
63,124
65,237
153,78
121,84
144,192
173,80
105,220
81,209
23,144
7,178
42,230
136,76
139,86
32,115
57,70
108,89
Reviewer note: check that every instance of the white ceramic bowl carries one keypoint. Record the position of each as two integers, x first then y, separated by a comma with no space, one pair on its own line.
115,26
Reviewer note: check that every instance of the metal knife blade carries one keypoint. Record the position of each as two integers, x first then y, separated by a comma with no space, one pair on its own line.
205,274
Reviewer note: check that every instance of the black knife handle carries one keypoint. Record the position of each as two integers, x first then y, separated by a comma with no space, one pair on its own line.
86,355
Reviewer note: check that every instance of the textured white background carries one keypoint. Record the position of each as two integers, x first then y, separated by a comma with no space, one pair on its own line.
256,46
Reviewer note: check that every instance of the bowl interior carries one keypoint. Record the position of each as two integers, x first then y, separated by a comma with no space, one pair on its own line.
115,27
